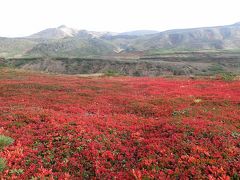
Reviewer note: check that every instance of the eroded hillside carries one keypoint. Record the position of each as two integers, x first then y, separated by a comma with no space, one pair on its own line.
181,63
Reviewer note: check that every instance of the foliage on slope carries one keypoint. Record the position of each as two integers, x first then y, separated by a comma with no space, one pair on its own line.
68,127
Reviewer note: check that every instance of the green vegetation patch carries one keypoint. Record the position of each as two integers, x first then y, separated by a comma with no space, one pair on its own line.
216,69
111,73
5,141
2,164
228,76
17,171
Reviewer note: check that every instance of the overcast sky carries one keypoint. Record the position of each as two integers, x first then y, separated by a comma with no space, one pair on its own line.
24,17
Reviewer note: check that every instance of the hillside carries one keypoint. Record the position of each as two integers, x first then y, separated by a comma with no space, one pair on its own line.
15,47
221,37
69,127
68,42
71,47
181,63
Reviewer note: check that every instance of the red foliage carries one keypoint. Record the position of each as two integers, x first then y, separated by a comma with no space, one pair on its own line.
125,128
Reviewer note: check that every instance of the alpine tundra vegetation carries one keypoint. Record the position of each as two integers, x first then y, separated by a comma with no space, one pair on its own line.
71,127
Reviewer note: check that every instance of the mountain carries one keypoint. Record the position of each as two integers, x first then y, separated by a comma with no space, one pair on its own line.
71,47
15,47
68,42
236,24
55,33
220,37
66,32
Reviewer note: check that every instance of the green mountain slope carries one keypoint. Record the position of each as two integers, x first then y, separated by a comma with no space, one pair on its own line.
15,47
71,47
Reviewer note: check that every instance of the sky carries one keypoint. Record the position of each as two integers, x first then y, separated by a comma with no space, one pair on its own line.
25,17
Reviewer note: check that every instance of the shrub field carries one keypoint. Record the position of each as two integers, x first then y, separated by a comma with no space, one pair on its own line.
68,127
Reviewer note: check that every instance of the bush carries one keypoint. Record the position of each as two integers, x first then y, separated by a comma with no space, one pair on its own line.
227,76
215,69
111,73
5,141
2,164
137,73
17,171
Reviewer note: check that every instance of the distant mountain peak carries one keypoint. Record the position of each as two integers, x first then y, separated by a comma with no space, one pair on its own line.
56,33
62,26
237,24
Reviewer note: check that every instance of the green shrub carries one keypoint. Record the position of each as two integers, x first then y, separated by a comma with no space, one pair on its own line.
111,73
228,76
184,112
17,171
137,73
216,69
5,141
2,164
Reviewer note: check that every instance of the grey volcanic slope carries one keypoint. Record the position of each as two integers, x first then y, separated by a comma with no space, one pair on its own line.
221,37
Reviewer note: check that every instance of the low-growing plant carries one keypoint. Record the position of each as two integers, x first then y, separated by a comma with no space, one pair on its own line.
137,73
2,164
215,69
17,171
228,76
111,73
5,141
181,112
122,127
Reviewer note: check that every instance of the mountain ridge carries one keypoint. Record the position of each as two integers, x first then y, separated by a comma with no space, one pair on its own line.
63,41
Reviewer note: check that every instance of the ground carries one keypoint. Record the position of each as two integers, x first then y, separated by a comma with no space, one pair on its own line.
71,127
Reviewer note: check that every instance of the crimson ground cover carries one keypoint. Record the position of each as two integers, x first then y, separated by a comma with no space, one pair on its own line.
68,127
